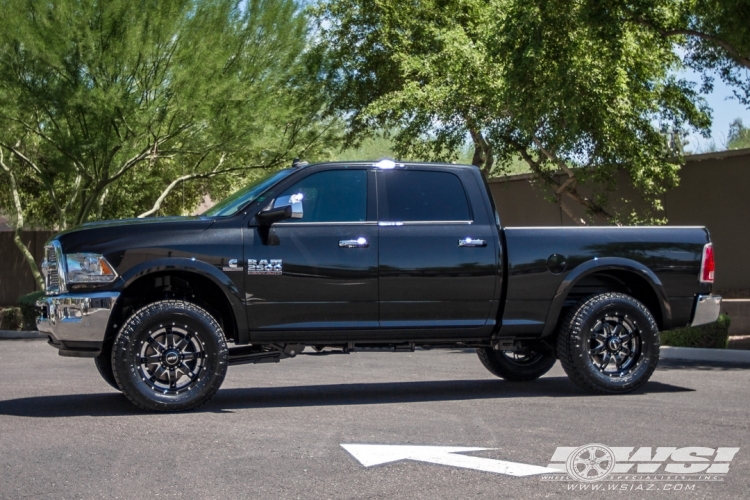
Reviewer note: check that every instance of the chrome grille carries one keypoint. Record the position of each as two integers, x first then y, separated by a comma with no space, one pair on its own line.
51,269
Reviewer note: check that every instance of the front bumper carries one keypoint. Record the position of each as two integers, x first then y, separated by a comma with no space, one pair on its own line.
76,323
706,309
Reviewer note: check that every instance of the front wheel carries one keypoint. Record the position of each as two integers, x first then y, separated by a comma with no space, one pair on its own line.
516,366
609,343
170,355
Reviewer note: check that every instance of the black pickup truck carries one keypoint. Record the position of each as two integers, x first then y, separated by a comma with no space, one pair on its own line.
367,255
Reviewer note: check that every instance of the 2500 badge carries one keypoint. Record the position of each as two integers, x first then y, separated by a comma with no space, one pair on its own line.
264,266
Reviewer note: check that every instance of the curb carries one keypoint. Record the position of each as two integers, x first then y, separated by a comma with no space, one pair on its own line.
712,355
12,335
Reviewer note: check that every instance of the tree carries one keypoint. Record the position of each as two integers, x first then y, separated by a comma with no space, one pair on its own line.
578,99
713,34
107,106
739,135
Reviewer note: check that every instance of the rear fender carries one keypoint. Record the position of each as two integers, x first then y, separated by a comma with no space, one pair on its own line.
606,264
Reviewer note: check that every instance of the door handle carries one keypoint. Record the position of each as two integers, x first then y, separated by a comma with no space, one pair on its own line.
358,243
471,242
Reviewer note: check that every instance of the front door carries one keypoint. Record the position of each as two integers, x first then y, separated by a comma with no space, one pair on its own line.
438,257
319,272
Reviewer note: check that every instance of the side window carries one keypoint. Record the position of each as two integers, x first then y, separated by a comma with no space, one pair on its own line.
422,195
332,196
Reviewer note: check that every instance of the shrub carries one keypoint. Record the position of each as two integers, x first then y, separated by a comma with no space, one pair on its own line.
11,319
714,335
27,303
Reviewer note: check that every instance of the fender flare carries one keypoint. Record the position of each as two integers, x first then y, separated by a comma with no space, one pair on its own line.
606,264
228,288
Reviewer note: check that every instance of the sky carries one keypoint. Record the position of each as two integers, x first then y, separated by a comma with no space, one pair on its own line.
725,110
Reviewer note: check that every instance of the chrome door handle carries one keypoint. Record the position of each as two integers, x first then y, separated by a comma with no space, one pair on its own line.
358,243
471,242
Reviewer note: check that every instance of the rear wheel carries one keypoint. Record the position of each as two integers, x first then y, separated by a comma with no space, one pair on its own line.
516,366
169,356
609,343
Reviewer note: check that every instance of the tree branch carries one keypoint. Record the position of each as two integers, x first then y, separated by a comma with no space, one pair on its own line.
734,53
19,224
184,178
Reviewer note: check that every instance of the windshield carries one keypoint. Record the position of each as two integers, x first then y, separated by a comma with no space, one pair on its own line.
246,195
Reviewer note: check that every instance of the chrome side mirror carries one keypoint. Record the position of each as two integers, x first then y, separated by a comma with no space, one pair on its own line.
293,200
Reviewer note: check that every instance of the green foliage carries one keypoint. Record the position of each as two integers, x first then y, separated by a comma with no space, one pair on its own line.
565,86
711,336
11,319
103,104
27,305
739,135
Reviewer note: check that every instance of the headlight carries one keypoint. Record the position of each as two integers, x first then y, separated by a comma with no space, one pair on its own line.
89,268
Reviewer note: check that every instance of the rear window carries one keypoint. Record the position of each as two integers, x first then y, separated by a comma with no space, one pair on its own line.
422,195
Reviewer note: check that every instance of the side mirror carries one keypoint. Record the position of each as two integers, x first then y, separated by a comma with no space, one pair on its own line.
285,207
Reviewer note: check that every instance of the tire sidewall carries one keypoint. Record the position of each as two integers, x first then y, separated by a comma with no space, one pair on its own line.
648,331
136,330
501,365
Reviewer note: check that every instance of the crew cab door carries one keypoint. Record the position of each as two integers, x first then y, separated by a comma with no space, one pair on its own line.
318,272
438,255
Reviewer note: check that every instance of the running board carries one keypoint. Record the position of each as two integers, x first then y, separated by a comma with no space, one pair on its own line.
266,354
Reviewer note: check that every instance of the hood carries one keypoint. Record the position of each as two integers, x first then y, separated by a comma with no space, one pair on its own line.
114,235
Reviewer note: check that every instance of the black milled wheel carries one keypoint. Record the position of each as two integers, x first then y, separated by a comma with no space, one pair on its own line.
521,366
169,356
609,343
103,363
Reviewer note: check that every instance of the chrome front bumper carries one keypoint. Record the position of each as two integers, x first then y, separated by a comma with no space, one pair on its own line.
76,318
706,309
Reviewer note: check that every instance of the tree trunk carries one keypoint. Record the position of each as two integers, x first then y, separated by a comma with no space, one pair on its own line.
19,225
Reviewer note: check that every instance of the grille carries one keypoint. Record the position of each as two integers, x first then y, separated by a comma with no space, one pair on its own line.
52,277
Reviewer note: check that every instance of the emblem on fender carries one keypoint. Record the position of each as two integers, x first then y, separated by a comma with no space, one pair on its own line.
232,266
264,266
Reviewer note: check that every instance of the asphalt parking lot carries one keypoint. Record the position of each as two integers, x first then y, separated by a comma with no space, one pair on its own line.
276,430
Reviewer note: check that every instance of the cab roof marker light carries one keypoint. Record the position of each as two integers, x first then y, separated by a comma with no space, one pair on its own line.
387,164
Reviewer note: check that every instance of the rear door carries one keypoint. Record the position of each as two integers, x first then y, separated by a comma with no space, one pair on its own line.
438,255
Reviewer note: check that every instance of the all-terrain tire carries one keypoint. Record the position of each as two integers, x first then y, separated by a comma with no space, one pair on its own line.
516,367
607,328
170,355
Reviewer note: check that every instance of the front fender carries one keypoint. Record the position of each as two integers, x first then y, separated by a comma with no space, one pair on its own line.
201,268
597,265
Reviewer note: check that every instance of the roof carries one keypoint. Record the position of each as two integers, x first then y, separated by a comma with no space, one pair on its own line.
717,155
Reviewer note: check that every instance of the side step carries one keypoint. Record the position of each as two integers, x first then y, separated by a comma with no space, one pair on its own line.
265,354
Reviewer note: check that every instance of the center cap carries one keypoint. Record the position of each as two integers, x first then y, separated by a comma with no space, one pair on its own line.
614,344
171,358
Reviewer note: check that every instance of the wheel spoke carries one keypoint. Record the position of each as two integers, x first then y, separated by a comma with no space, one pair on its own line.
168,337
617,329
150,360
605,361
171,376
191,356
186,370
626,338
182,344
619,361
155,345
598,349
159,372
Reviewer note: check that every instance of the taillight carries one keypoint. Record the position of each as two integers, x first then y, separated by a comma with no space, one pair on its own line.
707,264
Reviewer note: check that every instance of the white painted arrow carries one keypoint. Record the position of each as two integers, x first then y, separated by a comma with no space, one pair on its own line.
376,454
